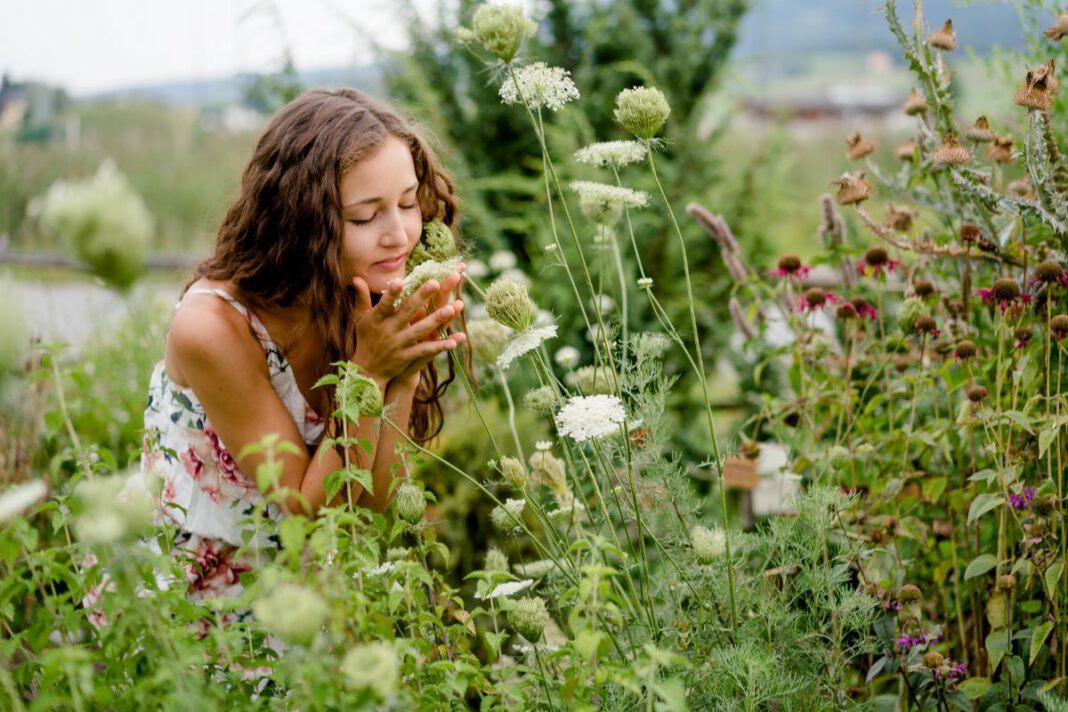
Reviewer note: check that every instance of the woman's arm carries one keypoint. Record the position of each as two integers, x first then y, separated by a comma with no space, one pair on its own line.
388,465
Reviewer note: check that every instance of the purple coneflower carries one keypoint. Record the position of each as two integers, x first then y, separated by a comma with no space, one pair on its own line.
876,262
815,298
1022,500
1004,293
790,265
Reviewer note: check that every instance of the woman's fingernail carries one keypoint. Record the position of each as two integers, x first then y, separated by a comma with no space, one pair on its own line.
446,311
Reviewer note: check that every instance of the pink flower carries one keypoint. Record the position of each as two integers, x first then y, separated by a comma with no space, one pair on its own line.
192,463
816,298
877,270
782,273
212,569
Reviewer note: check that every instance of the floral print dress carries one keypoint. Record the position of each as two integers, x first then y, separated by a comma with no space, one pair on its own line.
205,494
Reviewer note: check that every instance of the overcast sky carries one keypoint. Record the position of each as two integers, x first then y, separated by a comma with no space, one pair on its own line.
93,45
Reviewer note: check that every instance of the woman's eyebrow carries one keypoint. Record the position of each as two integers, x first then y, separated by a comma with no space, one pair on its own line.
365,201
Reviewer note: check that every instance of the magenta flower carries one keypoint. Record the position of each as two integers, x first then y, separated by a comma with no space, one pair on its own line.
815,298
1004,293
1022,500
877,270
789,266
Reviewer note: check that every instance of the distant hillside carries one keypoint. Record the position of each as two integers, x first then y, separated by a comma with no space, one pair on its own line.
789,27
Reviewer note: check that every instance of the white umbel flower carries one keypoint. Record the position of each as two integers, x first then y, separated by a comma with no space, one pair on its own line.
586,417
610,195
541,86
500,261
424,272
19,498
708,544
525,342
612,154
503,590
567,356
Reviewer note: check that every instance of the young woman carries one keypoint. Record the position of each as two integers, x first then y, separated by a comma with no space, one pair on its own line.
306,272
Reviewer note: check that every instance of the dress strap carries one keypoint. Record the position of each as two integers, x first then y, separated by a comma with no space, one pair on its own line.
254,322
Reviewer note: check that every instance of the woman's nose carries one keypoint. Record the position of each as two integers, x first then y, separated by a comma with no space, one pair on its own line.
393,230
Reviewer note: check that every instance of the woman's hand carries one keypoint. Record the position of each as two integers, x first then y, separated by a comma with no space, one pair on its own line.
398,341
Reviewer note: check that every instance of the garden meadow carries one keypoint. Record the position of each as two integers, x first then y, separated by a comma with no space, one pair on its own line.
881,528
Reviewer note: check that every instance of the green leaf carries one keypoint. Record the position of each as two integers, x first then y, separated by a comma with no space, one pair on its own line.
974,687
933,488
1038,637
291,533
589,642
996,645
980,565
1045,439
982,504
1053,576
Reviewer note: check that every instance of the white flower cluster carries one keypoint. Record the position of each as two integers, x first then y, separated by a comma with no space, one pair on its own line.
586,417
708,544
503,590
372,666
19,498
423,273
612,154
525,342
293,612
540,86
505,516
610,195
110,511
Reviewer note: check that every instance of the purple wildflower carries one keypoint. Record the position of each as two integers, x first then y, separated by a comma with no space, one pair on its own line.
1023,500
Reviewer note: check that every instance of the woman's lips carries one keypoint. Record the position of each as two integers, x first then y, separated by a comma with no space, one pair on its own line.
391,264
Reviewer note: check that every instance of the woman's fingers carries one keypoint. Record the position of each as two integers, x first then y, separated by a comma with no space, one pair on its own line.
432,323
387,304
424,352
363,295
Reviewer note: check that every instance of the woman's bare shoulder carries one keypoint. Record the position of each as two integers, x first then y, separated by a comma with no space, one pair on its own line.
207,332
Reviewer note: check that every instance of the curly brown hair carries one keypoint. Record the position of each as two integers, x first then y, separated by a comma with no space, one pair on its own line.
280,242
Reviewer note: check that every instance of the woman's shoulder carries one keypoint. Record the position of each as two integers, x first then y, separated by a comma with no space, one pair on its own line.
207,331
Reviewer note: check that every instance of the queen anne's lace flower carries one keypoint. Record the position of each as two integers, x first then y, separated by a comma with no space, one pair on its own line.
586,417
423,273
293,612
708,544
505,516
19,498
372,666
529,616
540,86
612,154
503,590
610,195
525,342
410,502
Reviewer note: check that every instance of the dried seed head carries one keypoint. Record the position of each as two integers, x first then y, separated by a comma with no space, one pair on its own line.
909,594
876,257
969,233
1022,335
789,263
900,217
923,288
925,325
514,473
1059,325
951,153
1006,290
944,38
852,188
815,296
858,146
1006,582
1000,150
906,151
980,131
1040,84
916,103
976,394
1021,188
1059,29
966,350
1048,271
932,659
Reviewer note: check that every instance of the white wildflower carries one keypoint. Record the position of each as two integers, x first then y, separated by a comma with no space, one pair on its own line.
610,195
540,86
612,154
535,569
645,282
372,666
109,512
383,568
19,498
477,269
551,247
500,261
543,445
567,356
503,590
505,516
525,342
586,417
604,303
708,544
423,273
293,612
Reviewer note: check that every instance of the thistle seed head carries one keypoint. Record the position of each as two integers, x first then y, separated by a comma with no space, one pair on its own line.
852,188
980,131
1000,150
1006,289
976,394
965,350
951,153
858,146
916,103
923,288
943,38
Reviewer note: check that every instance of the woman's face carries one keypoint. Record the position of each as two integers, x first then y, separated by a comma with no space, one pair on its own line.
382,217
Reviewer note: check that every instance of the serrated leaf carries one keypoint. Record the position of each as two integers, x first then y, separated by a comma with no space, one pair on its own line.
982,504
980,565
974,687
1038,637
933,488
1045,439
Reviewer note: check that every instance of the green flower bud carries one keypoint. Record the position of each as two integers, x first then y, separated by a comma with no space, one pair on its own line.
838,456
357,395
487,339
514,473
508,303
505,516
642,111
542,401
501,29
495,560
410,502
108,512
293,612
437,244
372,666
708,544
529,616
911,310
